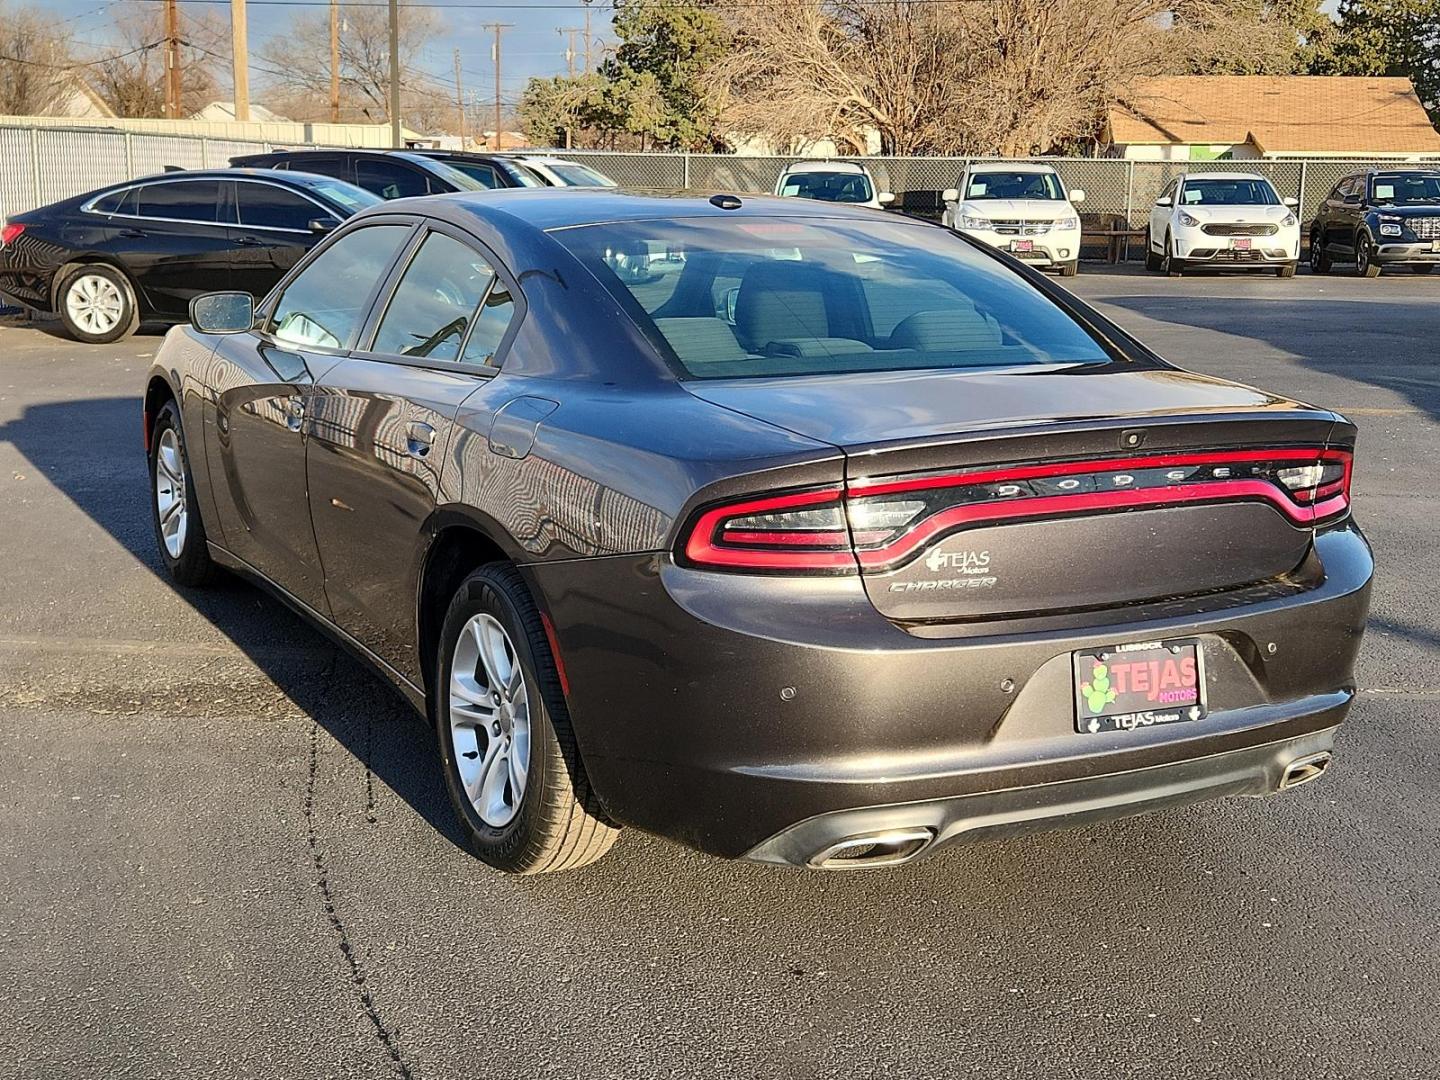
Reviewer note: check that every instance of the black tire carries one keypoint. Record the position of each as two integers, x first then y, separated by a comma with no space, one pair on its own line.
1070,269
1288,270
128,317
1319,258
558,823
1421,268
1365,264
1172,266
1152,260
191,565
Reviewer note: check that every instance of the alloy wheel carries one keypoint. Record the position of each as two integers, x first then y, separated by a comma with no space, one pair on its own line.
490,720
94,303
170,498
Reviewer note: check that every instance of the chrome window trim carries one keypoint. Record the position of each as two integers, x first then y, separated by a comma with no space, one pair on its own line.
89,206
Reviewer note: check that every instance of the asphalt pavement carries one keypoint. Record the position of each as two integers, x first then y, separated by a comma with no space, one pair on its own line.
225,852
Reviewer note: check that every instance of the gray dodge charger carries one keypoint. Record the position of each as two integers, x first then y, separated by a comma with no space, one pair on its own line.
793,532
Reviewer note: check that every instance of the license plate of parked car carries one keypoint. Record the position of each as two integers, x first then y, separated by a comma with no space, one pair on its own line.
1124,687
1022,245
1242,244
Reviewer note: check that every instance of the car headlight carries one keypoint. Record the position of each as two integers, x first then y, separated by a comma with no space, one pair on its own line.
1386,229
1065,223
968,222
1188,221
1288,220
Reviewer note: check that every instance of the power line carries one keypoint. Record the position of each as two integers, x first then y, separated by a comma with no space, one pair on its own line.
83,63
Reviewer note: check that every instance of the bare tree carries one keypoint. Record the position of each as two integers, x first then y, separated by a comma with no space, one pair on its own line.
296,67
1003,76
130,72
34,62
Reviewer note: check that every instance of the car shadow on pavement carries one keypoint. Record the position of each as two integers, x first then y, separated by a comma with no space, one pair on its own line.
105,474
1373,339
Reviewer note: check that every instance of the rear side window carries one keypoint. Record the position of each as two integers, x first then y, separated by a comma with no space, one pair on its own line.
181,200
824,297
490,326
332,165
389,180
435,301
482,174
109,204
265,206
327,302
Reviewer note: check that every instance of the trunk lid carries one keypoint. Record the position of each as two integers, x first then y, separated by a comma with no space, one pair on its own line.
1002,494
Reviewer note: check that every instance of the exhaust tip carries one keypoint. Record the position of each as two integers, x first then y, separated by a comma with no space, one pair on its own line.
889,847
1303,770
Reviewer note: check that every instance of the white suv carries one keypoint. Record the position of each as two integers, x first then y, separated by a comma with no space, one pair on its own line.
832,181
1222,219
1019,208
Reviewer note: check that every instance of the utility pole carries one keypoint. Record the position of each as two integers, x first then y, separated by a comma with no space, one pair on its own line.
495,55
570,48
460,99
172,59
395,137
240,59
335,61
588,67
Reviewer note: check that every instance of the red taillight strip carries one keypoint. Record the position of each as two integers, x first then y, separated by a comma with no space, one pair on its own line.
701,546
1047,505
860,488
810,539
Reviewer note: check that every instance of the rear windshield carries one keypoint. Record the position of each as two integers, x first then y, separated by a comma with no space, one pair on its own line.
349,196
1228,193
576,175
772,296
843,187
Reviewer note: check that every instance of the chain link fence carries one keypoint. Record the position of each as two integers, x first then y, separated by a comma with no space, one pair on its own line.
41,165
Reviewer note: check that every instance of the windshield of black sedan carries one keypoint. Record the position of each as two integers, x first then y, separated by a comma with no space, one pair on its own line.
771,296
1402,188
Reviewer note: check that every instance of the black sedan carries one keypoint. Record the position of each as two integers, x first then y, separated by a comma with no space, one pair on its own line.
105,260
1386,217
777,528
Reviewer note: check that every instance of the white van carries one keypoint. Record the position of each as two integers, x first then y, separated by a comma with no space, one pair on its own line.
1021,208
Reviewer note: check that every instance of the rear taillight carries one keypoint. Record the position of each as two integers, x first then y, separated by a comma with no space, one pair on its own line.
797,532
10,233
881,523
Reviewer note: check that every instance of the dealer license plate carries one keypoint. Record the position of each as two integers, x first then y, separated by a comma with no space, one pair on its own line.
1022,245
1124,687
1242,243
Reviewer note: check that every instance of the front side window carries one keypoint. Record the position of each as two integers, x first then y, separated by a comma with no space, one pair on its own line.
181,200
435,301
840,187
1016,184
265,206
1212,192
1402,189
326,303
824,297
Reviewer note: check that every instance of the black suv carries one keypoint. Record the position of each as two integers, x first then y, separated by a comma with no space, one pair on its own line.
396,174
1384,217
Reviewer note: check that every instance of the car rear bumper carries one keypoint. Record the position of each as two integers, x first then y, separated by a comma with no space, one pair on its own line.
732,712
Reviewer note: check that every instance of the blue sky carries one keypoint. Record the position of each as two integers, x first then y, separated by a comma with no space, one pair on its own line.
531,47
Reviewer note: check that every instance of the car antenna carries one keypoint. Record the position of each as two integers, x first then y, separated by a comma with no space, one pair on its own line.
726,202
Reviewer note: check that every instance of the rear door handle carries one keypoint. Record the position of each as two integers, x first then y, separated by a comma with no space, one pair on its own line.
132,234
294,413
419,438
249,241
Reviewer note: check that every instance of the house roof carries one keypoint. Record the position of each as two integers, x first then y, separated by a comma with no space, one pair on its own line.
1338,114
225,111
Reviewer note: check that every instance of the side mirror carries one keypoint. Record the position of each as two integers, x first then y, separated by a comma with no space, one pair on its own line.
1163,200
1077,195
886,198
950,194
1292,203
223,313
322,225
